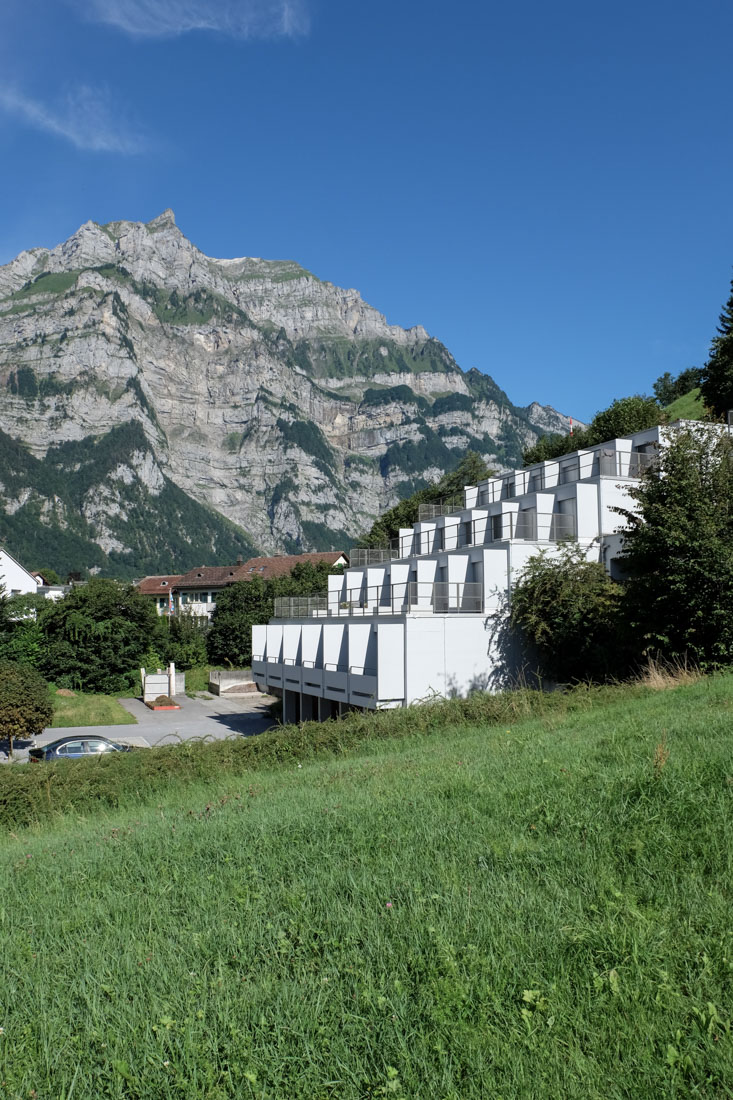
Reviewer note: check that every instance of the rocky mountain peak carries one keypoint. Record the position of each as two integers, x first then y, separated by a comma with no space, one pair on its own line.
166,220
286,404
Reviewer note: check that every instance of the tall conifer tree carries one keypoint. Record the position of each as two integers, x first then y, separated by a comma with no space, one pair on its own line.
717,375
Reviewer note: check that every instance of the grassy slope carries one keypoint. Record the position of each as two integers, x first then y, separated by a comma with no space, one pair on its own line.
687,407
534,911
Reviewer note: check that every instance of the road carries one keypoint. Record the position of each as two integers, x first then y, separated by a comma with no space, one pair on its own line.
211,719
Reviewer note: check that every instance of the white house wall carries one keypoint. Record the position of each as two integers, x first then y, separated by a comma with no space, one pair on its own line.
17,580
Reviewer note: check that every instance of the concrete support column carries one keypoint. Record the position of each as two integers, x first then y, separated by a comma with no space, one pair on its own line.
327,708
291,707
308,708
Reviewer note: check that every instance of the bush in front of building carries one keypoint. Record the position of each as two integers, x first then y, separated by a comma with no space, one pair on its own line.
570,614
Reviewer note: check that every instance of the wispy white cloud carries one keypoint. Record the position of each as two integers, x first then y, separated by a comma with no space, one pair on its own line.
169,18
85,116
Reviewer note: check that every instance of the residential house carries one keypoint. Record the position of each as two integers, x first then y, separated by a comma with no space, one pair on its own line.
195,592
279,565
422,617
19,581
160,589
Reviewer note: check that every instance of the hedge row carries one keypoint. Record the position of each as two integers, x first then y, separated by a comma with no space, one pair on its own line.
31,794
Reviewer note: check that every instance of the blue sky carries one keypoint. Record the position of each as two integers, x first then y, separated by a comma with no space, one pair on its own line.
547,188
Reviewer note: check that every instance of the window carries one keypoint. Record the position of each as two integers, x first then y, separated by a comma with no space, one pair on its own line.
497,528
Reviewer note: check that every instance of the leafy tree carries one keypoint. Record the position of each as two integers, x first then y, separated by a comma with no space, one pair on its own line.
96,636
244,604
621,418
568,610
469,471
238,608
21,639
186,644
624,416
716,386
25,703
678,551
667,388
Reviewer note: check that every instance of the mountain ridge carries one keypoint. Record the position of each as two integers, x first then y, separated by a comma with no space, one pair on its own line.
282,402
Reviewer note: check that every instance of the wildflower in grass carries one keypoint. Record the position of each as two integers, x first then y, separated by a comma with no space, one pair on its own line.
389,904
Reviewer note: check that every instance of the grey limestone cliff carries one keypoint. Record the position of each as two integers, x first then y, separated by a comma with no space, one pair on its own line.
282,402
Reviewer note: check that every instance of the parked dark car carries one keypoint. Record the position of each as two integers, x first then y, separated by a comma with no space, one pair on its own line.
75,748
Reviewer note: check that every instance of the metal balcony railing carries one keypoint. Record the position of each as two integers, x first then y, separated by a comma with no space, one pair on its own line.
446,507
625,463
299,607
385,599
371,555
445,596
565,470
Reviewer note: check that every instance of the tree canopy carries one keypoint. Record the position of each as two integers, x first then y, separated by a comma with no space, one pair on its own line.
668,388
716,384
678,551
25,703
95,639
621,418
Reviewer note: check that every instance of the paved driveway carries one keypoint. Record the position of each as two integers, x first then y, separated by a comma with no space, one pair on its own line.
209,719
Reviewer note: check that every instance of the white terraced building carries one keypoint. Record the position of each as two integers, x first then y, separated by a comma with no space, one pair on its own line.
420,619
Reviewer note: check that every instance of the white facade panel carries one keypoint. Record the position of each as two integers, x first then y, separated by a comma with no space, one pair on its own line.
391,661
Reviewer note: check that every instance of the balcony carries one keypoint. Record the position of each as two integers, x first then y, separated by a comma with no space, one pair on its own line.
533,526
440,597
625,463
447,507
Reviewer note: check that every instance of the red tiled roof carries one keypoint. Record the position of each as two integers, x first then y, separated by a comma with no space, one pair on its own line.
281,564
211,576
158,585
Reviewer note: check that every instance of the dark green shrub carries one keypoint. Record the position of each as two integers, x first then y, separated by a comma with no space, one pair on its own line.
569,611
25,704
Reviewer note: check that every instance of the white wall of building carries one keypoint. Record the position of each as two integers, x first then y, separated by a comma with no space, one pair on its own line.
17,580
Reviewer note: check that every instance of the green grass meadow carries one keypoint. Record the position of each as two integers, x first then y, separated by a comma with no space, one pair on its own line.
82,709
537,909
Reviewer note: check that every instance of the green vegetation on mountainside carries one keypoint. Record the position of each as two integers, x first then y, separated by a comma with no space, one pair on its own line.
540,908
343,358
469,471
167,532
